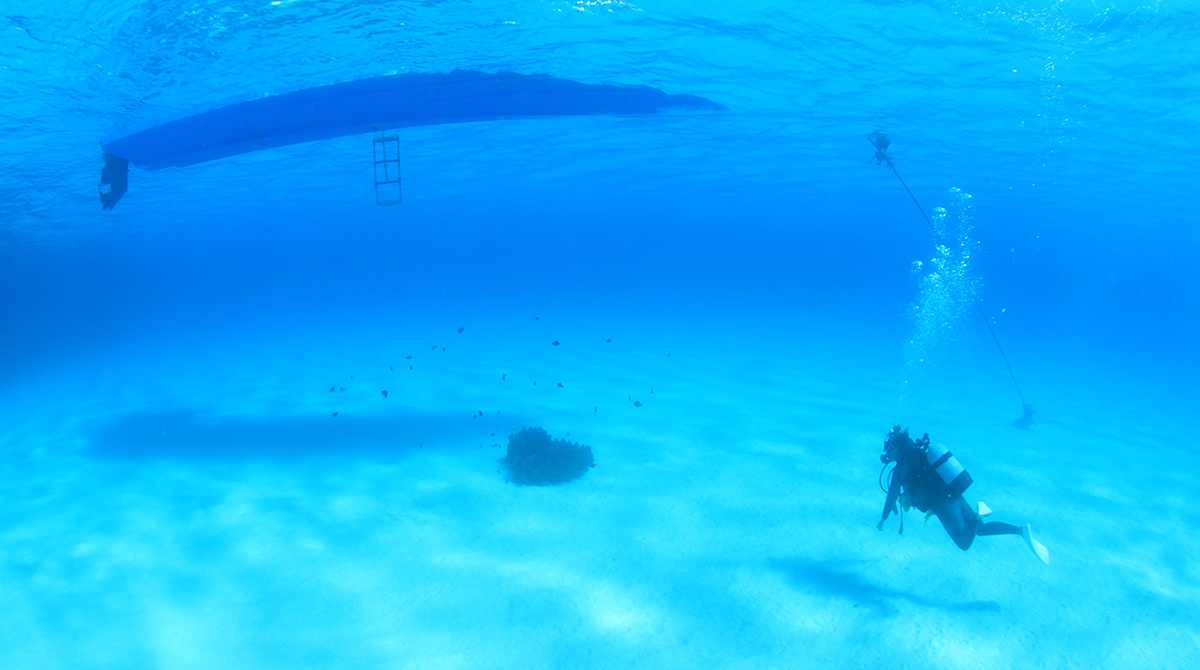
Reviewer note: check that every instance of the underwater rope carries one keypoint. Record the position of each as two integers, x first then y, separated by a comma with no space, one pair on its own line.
881,143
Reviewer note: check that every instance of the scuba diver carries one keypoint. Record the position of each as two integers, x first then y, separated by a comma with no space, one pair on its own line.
927,476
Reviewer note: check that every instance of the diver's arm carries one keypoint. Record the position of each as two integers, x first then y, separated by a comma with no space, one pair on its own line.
898,476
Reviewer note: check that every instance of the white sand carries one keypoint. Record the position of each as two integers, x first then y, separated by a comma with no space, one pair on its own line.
730,521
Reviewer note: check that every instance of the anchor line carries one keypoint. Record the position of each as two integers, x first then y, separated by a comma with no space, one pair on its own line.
986,321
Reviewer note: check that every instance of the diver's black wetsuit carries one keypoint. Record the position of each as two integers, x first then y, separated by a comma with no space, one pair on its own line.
925,490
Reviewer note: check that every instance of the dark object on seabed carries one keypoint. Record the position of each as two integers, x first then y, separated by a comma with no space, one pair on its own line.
114,180
1026,419
533,459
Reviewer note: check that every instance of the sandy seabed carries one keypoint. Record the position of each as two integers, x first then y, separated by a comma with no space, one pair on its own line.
196,504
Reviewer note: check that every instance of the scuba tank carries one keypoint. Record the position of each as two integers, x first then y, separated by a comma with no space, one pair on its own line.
951,472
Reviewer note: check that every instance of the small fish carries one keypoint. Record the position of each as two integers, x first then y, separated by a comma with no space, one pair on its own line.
443,348
535,383
492,435
384,394
332,389
410,367
537,318
668,354
651,391
555,343
637,404
335,414
460,330
480,412
504,376
608,340
560,385
595,409
433,348
391,368
342,388
629,398
474,417
408,358
352,376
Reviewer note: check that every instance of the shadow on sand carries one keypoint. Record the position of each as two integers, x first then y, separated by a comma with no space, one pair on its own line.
831,578
187,435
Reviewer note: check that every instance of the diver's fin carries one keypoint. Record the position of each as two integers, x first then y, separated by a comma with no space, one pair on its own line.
1037,547
984,510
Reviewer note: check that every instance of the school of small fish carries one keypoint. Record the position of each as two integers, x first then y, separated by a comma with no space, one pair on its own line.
503,377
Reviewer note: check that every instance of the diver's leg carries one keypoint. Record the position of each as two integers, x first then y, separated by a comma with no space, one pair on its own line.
997,528
1026,532
958,519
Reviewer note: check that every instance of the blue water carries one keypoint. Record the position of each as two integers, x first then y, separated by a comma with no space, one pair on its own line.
759,246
